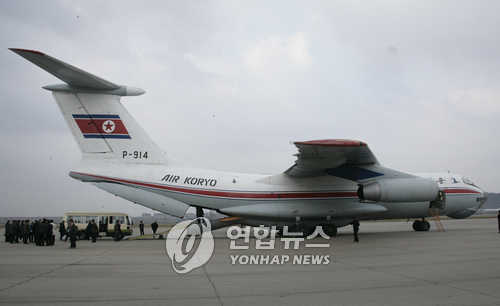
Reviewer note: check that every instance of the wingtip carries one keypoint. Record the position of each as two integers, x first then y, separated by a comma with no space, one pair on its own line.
20,50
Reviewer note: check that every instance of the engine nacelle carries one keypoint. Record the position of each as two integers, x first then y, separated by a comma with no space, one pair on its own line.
400,190
461,214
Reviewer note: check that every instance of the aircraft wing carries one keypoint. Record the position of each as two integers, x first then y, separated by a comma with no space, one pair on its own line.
349,159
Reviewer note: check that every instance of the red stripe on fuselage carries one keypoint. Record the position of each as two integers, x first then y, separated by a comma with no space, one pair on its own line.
231,194
461,190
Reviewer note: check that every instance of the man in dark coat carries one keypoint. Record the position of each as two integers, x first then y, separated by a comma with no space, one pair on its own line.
87,231
355,227
44,229
72,233
141,228
62,230
50,233
36,231
154,227
94,231
8,226
21,229
498,217
26,231
118,231
16,231
32,233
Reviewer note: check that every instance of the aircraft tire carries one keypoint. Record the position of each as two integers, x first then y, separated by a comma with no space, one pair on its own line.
421,226
427,226
418,226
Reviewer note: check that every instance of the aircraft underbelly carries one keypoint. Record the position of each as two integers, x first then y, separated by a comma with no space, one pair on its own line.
146,198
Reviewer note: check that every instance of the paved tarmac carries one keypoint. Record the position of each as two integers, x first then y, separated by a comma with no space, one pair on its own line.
392,265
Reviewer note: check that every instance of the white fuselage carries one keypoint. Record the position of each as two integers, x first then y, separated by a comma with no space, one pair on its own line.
309,199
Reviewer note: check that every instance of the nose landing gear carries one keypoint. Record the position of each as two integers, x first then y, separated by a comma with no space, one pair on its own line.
421,225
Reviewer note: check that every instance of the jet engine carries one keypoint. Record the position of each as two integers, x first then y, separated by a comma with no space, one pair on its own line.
400,190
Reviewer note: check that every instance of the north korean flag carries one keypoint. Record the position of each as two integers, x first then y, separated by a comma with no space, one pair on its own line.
101,126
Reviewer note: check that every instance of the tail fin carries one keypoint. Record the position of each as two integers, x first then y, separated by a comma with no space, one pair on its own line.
91,106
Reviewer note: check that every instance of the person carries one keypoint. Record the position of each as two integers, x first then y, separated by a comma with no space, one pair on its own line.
62,230
44,229
72,233
87,231
15,231
101,226
26,231
154,227
355,227
22,231
94,231
141,227
32,234
498,217
118,231
7,231
51,233
36,231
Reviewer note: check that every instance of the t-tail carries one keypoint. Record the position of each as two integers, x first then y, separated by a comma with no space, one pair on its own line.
91,106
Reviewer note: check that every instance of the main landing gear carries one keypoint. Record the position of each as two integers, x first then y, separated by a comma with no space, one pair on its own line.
421,225
199,212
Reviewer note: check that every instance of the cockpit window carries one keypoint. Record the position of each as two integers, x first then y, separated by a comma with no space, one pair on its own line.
455,180
468,181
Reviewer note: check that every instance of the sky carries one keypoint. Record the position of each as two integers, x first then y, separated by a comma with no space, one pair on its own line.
231,84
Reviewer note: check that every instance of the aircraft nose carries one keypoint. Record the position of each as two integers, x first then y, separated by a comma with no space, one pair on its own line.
483,198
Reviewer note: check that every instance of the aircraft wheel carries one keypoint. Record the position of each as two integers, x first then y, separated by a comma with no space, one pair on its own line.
427,226
417,225
421,226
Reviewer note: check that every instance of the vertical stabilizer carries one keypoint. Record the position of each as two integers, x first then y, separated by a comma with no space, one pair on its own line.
91,106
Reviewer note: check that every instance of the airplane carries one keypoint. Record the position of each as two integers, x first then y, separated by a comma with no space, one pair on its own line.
332,182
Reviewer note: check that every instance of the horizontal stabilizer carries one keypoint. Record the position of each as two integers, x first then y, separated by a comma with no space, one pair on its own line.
67,73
